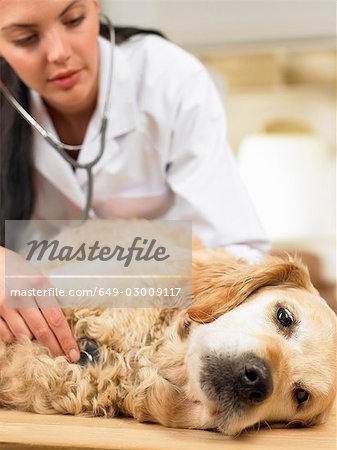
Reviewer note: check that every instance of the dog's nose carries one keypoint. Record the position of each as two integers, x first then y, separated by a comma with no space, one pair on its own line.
246,379
254,382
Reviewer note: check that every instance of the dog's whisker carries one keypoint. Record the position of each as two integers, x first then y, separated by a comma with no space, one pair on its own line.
267,424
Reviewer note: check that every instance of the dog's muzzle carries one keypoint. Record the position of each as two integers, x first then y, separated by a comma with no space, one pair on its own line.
245,380
89,352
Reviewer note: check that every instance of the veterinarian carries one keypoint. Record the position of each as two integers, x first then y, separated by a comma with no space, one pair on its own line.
133,130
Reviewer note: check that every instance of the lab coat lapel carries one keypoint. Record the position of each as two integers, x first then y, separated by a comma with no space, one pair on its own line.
48,162
122,114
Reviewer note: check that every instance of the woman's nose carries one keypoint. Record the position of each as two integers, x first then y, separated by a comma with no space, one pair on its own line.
58,48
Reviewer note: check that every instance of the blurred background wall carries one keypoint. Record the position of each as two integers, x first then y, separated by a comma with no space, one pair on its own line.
274,63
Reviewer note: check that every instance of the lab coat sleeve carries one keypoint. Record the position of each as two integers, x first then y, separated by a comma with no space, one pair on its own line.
203,175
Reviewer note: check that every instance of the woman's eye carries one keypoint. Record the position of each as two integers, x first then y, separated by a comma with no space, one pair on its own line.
301,396
75,22
25,42
284,317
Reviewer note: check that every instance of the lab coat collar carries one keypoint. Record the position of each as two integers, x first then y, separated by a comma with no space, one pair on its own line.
122,119
122,115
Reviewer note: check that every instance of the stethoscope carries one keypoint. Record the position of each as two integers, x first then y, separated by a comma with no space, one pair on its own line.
62,148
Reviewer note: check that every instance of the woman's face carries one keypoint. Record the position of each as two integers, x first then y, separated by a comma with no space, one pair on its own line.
52,46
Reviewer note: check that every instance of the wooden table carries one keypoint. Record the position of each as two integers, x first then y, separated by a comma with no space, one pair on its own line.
23,431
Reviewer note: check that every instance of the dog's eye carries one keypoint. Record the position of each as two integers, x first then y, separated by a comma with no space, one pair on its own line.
284,317
301,396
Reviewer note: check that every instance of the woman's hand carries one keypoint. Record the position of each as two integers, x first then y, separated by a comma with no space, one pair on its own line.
46,324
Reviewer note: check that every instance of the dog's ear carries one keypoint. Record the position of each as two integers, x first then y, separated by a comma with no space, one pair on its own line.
221,283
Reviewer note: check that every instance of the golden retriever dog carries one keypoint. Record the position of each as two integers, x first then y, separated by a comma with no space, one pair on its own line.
256,346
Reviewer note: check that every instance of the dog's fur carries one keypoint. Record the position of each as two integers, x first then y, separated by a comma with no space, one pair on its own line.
180,367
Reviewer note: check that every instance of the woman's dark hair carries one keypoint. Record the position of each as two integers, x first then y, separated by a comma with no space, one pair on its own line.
17,194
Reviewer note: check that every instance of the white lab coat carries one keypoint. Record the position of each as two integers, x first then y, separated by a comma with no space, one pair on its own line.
166,154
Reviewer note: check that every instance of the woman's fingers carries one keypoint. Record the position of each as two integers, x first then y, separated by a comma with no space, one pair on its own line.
36,316
5,333
48,326
15,323
41,330
58,323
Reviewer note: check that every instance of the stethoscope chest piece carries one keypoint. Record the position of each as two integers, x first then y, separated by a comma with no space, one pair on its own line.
89,352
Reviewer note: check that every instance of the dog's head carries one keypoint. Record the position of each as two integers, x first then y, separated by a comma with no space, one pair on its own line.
262,349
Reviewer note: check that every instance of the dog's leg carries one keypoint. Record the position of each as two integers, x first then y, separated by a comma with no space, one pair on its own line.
158,400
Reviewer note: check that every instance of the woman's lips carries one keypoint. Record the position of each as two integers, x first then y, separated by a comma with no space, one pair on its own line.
67,81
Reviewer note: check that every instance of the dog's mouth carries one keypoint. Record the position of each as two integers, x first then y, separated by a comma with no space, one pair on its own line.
89,352
235,387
